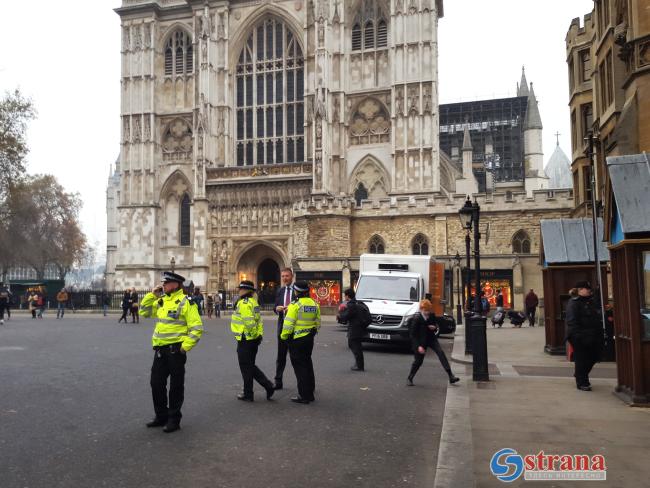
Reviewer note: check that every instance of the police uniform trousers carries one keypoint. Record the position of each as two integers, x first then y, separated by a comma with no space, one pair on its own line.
418,358
168,361
281,361
246,353
300,354
586,353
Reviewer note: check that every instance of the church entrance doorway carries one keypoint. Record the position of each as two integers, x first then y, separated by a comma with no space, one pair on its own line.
268,280
261,264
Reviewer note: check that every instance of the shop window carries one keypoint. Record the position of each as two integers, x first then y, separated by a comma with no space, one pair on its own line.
376,245
521,243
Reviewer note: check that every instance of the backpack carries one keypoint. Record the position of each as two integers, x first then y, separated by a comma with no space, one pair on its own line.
364,314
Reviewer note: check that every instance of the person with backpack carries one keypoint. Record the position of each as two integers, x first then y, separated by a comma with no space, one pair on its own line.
357,316
485,305
422,330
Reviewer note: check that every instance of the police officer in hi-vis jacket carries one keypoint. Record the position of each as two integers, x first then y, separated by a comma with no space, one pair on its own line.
178,329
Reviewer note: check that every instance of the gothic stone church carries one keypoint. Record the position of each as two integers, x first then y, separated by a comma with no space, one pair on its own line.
259,134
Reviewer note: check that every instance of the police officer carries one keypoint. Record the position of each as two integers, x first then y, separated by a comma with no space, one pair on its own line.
246,324
178,329
584,332
301,324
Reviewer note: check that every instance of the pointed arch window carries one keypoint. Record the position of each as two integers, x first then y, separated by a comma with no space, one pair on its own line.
179,54
269,95
376,245
361,193
370,28
185,220
420,246
521,243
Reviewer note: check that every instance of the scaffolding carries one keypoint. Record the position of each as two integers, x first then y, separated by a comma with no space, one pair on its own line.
498,122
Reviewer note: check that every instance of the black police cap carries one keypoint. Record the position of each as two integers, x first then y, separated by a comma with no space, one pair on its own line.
246,285
171,276
301,286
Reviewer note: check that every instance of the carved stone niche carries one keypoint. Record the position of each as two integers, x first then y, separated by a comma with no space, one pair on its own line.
177,140
370,123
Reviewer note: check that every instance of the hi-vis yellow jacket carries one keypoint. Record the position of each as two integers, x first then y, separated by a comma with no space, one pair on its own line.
178,319
246,320
302,318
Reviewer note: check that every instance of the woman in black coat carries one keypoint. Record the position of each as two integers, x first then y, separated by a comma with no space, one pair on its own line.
422,329
126,306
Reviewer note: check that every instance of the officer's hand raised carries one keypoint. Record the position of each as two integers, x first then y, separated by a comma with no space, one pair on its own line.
158,290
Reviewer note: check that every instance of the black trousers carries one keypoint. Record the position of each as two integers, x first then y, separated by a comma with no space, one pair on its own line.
125,312
246,353
2,311
300,354
357,350
281,360
134,315
585,357
168,362
530,313
418,358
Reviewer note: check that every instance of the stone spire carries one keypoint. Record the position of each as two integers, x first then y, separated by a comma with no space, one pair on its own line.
533,118
558,170
522,87
467,139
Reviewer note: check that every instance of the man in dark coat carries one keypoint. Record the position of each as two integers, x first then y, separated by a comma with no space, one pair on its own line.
585,332
531,301
282,301
351,316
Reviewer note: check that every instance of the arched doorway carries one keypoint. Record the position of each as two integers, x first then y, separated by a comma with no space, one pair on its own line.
261,264
268,280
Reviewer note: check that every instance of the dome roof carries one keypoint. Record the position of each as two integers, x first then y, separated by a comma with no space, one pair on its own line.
558,170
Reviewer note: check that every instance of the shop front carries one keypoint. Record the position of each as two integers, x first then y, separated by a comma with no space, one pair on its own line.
493,280
325,287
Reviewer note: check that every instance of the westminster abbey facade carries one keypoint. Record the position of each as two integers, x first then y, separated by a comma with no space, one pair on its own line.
260,134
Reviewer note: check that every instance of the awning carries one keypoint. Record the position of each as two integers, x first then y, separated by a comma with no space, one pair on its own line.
571,241
630,177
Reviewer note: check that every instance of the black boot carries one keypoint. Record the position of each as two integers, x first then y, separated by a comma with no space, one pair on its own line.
157,423
245,398
452,379
172,426
409,380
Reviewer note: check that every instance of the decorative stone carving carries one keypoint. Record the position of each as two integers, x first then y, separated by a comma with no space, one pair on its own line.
427,100
221,29
399,8
215,252
205,26
374,179
137,38
126,38
414,100
370,123
413,6
146,136
147,35
399,102
177,139
137,133
126,136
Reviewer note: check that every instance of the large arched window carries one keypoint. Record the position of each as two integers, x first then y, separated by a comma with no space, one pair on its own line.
376,245
269,97
521,243
185,221
370,28
179,55
420,245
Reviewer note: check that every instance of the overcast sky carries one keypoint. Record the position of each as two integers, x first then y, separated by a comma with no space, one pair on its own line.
65,56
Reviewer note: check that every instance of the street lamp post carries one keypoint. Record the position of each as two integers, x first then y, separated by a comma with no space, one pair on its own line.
470,216
465,215
460,287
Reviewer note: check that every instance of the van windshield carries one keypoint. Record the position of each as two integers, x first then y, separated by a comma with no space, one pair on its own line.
398,288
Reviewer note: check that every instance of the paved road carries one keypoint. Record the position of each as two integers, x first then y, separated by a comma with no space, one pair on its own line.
74,397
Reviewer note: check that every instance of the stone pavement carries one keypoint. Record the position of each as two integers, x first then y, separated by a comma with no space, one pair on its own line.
531,404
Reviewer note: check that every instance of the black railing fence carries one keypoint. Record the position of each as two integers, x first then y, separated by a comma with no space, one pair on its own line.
95,300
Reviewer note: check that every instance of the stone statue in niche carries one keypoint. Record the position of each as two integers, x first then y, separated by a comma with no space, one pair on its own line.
427,100
276,216
199,143
199,176
285,216
205,26
147,35
399,102
413,95
136,130
221,30
204,52
221,122
254,216
234,217
215,252
147,128
223,256
127,129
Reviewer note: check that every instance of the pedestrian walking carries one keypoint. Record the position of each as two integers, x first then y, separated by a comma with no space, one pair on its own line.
357,317
584,332
32,301
485,305
499,300
40,304
217,304
61,299
126,306
178,329
198,299
209,305
301,324
135,317
531,301
5,299
106,301
246,323
283,299
422,331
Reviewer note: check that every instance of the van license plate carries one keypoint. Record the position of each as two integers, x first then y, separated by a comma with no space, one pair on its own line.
383,337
